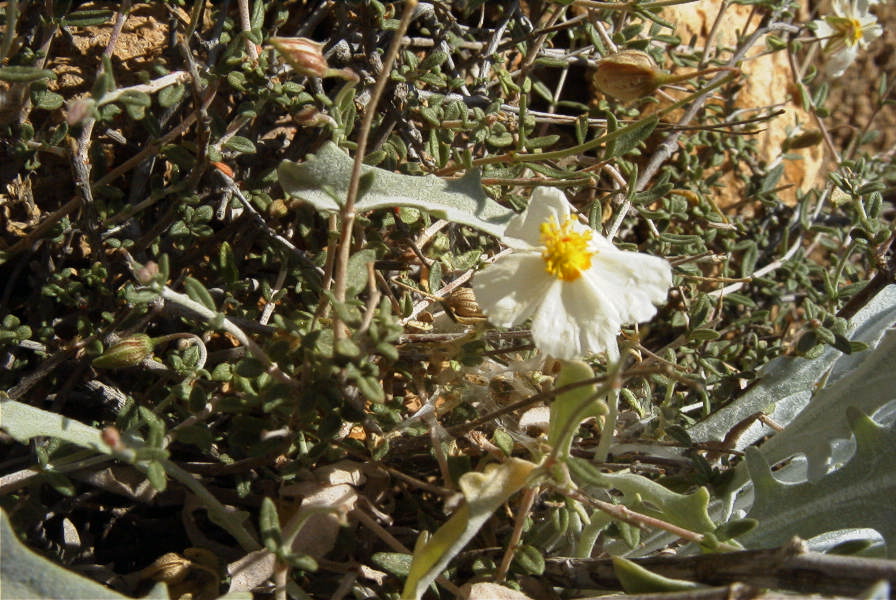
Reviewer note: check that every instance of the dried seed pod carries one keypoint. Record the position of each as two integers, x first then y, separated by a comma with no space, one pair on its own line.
632,74
462,303
627,75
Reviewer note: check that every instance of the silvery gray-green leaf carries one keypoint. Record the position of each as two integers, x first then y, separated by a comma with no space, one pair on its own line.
322,181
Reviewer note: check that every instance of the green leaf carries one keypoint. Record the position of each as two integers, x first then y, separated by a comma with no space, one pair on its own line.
485,493
87,18
529,559
197,292
397,563
647,496
322,181
629,140
27,575
572,407
24,422
635,579
269,524
47,100
20,74
240,144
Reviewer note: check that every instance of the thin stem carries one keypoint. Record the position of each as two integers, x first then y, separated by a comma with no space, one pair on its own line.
223,517
230,327
609,428
246,26
525,506
348,210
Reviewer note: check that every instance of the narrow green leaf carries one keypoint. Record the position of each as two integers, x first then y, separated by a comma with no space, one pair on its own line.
87,18
20,74
197,292
635,579
269,524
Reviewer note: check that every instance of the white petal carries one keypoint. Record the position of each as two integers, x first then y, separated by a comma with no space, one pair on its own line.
823,29
842,8
511,289
837,63
597,311
545,203
555,331
870,31
633,282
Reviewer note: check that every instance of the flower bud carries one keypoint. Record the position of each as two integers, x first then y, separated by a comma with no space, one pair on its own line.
632,74
627,75
304,55
128,352
146,274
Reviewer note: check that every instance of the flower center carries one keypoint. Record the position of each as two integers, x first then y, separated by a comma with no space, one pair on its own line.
566,252
849,29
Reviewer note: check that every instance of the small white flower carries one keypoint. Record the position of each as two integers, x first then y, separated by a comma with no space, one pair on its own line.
577,287
849,28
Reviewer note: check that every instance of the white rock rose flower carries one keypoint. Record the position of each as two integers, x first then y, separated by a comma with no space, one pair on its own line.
848,28
577,287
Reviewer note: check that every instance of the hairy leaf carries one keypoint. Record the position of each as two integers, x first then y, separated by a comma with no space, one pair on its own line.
859,494
322,181
27,575
646,496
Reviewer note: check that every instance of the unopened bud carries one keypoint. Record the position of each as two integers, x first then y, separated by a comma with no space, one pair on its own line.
310,116
78,110
632,74
147,273
129,352
802,139
627,75
111,437
304,55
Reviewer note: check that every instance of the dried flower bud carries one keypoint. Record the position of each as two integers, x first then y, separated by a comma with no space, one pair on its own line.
129,352
78,110
304,55
147,273
627,75
111,437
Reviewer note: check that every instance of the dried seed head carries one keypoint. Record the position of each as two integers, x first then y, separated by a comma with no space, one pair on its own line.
628,75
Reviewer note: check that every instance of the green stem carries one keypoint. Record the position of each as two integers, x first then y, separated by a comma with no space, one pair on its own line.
609,428
516,157
217,511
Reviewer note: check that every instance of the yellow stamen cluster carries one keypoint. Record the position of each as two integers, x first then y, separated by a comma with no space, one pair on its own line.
849,30
566,253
